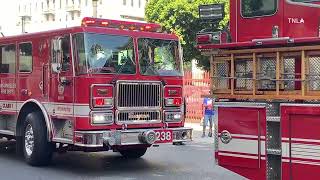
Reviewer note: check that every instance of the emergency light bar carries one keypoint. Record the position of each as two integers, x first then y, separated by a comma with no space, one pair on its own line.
211,12
123,25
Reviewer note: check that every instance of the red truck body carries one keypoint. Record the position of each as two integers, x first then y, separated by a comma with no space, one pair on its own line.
88,105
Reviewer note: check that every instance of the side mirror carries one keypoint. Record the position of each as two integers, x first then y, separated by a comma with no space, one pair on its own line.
56,67
57,44
57,57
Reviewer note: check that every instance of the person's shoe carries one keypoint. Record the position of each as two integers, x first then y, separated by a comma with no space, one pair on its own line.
203,135
210,134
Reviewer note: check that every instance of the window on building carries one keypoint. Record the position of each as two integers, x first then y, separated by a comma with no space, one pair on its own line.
100,1
139,3
41,6
132,3
60,5
25,57
8,59
253,8
19,9
86,2
124,2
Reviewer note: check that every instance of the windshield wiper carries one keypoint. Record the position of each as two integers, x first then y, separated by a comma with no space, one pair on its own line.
115,78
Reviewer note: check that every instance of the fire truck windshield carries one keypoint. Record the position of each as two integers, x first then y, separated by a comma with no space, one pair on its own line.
101,53
159,57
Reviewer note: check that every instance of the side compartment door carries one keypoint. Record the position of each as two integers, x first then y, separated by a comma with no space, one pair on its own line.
241,142
300,141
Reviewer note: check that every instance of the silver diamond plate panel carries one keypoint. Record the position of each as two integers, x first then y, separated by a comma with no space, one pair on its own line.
273,167
243,73
267,73
273,109
288,73
273,135
314,73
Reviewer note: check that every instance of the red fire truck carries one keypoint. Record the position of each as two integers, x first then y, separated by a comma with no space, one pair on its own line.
105,85
265,70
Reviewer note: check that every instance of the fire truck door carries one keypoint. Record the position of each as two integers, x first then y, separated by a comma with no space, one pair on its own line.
29,71
8,84
300,141
61,77
240,130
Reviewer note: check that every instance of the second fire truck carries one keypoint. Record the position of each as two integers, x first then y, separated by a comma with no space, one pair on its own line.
265,70
105,85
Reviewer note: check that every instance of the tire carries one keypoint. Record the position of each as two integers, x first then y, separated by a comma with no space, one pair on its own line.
133,153
37,150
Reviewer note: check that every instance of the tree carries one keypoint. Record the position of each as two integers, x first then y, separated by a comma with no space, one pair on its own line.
182,18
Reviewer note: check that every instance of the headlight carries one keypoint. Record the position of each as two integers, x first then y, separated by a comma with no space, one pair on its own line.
101,118
173,116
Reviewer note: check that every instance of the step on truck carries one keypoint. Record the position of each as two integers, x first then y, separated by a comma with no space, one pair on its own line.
105,85
265,79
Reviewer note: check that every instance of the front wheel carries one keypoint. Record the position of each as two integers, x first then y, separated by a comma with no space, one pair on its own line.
36,148
133,153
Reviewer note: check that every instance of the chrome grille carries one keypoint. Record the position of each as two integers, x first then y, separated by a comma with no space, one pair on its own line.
136,117
137,95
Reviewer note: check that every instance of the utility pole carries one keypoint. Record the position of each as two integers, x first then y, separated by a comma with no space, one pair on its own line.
95,8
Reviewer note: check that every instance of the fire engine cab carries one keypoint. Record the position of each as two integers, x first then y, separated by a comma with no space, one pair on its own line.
265,70
105,85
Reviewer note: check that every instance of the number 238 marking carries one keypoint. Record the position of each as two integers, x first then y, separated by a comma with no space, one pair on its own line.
163,136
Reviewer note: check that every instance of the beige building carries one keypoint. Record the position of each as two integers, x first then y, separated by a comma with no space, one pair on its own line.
39,15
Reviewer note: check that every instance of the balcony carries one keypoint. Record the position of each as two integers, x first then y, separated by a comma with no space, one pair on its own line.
73,8
47,10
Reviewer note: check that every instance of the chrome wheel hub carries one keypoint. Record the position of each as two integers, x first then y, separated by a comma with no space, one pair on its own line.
29,140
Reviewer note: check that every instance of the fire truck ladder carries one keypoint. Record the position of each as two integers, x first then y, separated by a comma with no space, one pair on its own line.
284,73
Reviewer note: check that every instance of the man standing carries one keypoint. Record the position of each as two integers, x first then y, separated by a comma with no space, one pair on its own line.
207,109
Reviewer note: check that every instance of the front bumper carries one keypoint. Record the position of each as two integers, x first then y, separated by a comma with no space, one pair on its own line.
125,137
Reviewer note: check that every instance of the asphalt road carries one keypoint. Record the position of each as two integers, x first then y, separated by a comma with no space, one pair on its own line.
192,161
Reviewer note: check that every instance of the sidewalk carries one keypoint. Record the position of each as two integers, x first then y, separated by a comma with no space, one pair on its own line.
197,133
195,126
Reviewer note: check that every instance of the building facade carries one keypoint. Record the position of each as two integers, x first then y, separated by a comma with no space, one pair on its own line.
41,15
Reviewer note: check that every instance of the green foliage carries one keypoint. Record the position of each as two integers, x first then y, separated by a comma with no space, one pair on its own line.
182,18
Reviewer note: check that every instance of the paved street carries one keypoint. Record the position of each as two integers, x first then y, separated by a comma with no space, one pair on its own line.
192,161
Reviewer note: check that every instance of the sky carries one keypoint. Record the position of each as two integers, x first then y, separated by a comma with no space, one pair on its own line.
8,16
